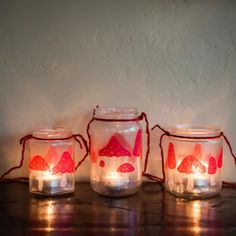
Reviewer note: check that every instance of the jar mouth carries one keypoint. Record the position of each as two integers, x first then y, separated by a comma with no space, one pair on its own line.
190,130
117,113
52,132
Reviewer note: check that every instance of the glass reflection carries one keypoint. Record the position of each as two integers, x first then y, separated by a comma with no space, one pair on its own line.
196,214
120,215
51,214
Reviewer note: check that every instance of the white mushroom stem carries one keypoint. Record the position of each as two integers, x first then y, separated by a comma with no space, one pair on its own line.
63,181
190,183
213,182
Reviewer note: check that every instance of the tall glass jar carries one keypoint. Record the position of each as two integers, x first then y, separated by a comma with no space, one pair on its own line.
116,151
193,161
51,165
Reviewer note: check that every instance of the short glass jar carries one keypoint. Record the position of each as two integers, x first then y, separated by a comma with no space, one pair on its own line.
51,165
116,151
194,161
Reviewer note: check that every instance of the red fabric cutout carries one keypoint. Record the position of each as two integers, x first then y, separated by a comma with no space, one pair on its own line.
39,163
212,167
102,163
197,151
171,161
114,148
220,158
138,144
190,164
65,165
125,168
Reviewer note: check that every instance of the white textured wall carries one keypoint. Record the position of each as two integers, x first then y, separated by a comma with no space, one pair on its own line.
176,60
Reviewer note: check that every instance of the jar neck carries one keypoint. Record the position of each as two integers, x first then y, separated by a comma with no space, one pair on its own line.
187,130
52,133
119,113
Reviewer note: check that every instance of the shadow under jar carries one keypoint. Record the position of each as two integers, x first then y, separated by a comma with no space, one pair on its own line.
116,151
194,162
51,165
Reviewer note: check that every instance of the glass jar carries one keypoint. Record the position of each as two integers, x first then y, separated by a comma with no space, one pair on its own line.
193,161
116,151
51,165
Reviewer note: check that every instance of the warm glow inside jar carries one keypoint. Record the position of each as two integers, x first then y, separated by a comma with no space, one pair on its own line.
116,151
51,165
193,166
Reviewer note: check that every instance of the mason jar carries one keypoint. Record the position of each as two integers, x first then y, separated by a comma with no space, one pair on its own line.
51,164
116,151
193,161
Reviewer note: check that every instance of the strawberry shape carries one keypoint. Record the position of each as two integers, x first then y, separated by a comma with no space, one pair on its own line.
220,158
190,164
212,167
38,163
138,144
171,161
65,165
125,168
114,148
197,151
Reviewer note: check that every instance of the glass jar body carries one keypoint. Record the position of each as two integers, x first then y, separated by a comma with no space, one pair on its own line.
51,165
116,152
193,165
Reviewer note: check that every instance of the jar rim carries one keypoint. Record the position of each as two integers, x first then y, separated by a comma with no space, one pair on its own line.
117,113
48,132
195,130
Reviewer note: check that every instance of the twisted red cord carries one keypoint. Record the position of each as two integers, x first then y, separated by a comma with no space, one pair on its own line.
86,147
23,142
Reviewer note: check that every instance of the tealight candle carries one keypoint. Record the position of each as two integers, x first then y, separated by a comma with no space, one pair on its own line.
114,180
194,161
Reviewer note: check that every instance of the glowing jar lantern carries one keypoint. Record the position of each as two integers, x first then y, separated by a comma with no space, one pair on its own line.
116,151
51,165
193,161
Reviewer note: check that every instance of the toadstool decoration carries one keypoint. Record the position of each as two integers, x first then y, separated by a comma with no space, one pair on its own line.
138,144
171,161
38,163
114,148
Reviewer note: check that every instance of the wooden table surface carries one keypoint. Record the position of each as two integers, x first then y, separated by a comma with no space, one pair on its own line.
152,211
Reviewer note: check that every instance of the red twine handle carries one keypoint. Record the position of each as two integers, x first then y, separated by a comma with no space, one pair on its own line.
167,133
142,116
75,136
23,141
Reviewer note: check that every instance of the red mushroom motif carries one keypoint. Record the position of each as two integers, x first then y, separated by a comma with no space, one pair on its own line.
102,163
212,166
220,158
65,165
171,161
138,144
190,164
114,148
39,163
125,168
